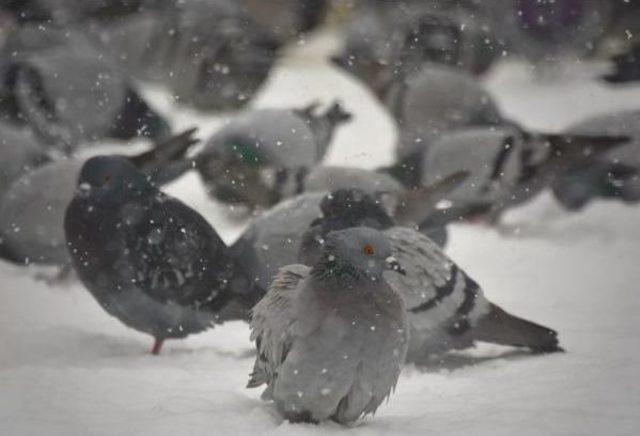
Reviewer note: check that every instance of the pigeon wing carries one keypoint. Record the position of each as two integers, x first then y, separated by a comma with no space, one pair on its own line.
273,323
175,255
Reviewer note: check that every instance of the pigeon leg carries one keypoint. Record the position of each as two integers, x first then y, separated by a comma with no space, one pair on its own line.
157,346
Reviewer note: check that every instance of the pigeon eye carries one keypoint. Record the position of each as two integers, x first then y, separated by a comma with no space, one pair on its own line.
107,177
368,250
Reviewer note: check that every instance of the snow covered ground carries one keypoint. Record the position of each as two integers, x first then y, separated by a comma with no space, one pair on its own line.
67,368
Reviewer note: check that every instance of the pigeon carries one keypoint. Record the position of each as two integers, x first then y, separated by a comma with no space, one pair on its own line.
273,239
287,19
427,104
401,37
615,174
263,155
32,208
508,166
149,260
447,309
36,67
331,338
626,66
545,32
210,53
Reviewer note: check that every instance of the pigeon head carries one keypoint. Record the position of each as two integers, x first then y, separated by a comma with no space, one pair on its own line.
354,207
357,253
110,172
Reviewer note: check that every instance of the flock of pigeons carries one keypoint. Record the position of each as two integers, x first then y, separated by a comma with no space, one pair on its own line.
343,277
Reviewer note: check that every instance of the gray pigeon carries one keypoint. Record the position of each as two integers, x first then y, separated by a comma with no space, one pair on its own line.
273,239
148,259
33,207
615,174
429,103
211,54
446,308
332,338
36,67
263,155
508,166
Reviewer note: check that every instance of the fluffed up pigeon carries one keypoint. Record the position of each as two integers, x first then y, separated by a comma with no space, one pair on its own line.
263,156
36,67
615,174
508,166
446,308
149,260
210,53
332,338
33,207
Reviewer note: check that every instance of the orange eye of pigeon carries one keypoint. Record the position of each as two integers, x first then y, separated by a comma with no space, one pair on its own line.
368,250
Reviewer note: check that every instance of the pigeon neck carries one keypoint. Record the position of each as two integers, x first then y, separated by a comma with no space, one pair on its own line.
334,273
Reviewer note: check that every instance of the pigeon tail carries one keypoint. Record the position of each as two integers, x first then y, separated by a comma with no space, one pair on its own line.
418,204
499,327
323,125
408,170
166,161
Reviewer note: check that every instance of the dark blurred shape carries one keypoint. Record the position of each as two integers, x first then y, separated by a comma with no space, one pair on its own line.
626,66
286,19
545,31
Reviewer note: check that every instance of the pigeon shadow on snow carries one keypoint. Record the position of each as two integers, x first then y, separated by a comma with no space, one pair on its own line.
453,361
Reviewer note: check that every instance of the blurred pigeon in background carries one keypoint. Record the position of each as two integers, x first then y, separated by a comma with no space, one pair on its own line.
262,156
545,32
332,338
428,103
32,208
57,84
210,53
615,174
508,166
287,19
148,259
70,12
400,37
447,309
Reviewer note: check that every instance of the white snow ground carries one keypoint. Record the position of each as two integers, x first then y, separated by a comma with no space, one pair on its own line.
67,368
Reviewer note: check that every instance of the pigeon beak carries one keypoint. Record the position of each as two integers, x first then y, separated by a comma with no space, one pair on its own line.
392,264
